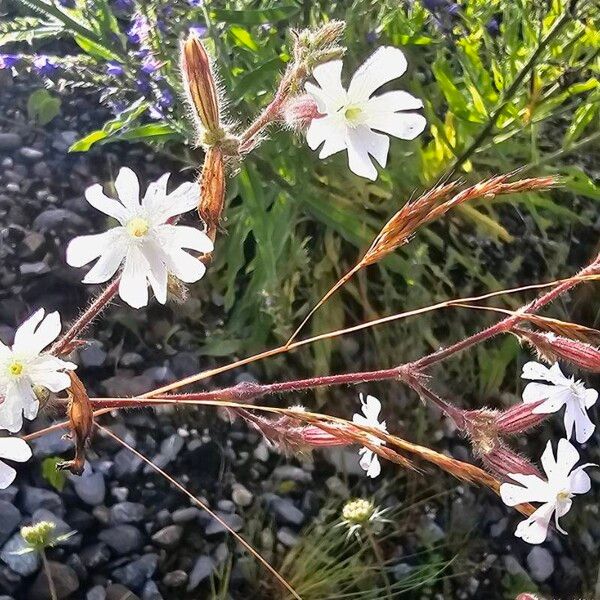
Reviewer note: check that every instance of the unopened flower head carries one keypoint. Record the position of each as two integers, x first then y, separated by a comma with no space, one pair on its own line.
25,366
359,514
145,241
39,535
555,494
353,117
561,391
371,407
11,449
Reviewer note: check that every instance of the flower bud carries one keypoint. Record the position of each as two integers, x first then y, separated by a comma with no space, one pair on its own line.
358,511
38,536
519,418
502,462
200,86
552,347
327,34
212,190
298,112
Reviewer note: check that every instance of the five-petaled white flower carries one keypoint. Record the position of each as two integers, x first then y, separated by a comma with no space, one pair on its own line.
350,116
150,246
25,366
559,391
12,449
371,407
555,494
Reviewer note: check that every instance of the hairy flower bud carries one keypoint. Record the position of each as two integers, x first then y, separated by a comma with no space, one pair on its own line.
298,112
212,190
200,87
502,462
38,536
519,418
551,347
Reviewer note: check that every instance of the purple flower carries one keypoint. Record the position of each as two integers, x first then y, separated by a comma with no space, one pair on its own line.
371,37
142,84
114,68
44,65
139,30
165,98
196,3
123,5
67,3
197,30
493,26
150,64
8,60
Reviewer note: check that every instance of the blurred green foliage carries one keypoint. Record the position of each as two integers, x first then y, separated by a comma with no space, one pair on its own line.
506,85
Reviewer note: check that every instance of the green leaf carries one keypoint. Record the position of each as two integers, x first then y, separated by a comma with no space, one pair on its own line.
94,49
42,106
243,37
581,119
85,143
57,479
152,130
254,17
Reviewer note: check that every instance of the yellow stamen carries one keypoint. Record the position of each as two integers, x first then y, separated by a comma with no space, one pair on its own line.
15,368
138,227
563,495
352,113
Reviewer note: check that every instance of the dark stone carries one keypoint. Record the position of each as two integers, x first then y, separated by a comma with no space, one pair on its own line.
169,536
151,591
64,578
59,219
127,512
23,564
90,487
95,555
234,521
286,512
35,498
96,593
51,444
122,539
10,517
31,154
175,579
137,572
203,569
10,141
92,355
116,591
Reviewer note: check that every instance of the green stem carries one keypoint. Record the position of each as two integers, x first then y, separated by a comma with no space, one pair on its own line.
380,561
48,572
507,97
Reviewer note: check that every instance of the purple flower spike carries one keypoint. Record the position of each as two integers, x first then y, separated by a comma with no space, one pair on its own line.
196,3
150,64
8,60
139,30
198,30
44,65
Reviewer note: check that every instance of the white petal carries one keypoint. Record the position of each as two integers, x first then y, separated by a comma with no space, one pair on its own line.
181,200
534,392
535,370
386,64
96,197
182,236
406,126
374,469
128,189
11,417
30,410
156,193
566,458
133,288
589,398
47,331
361,142
371,409
331,94
85,248
53,380
7,475
47,362
360,420
534,490
15,449
329,129
391,102
107,264
549,462
579,480
584,428
25,332
557,398
569,421
535,529
157,275
557,376
185,266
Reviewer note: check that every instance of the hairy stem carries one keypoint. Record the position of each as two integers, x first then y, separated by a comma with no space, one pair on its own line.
96,307
48,572
380,560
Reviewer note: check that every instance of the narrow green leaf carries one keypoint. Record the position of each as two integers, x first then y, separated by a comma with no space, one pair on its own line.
254,17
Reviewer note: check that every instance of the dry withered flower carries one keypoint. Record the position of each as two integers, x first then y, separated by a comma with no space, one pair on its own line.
212,190
81,423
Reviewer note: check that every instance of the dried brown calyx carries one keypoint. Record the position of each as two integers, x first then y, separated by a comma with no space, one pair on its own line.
81,423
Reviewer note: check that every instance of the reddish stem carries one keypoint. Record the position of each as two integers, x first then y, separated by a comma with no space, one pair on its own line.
95,308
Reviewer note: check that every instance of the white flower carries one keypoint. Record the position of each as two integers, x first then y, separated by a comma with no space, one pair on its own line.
12,449
25,366
555,494
351,115
371,408
560,391
145,241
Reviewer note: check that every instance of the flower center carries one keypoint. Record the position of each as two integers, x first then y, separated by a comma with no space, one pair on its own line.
138,227
564,495
15,368
353,114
